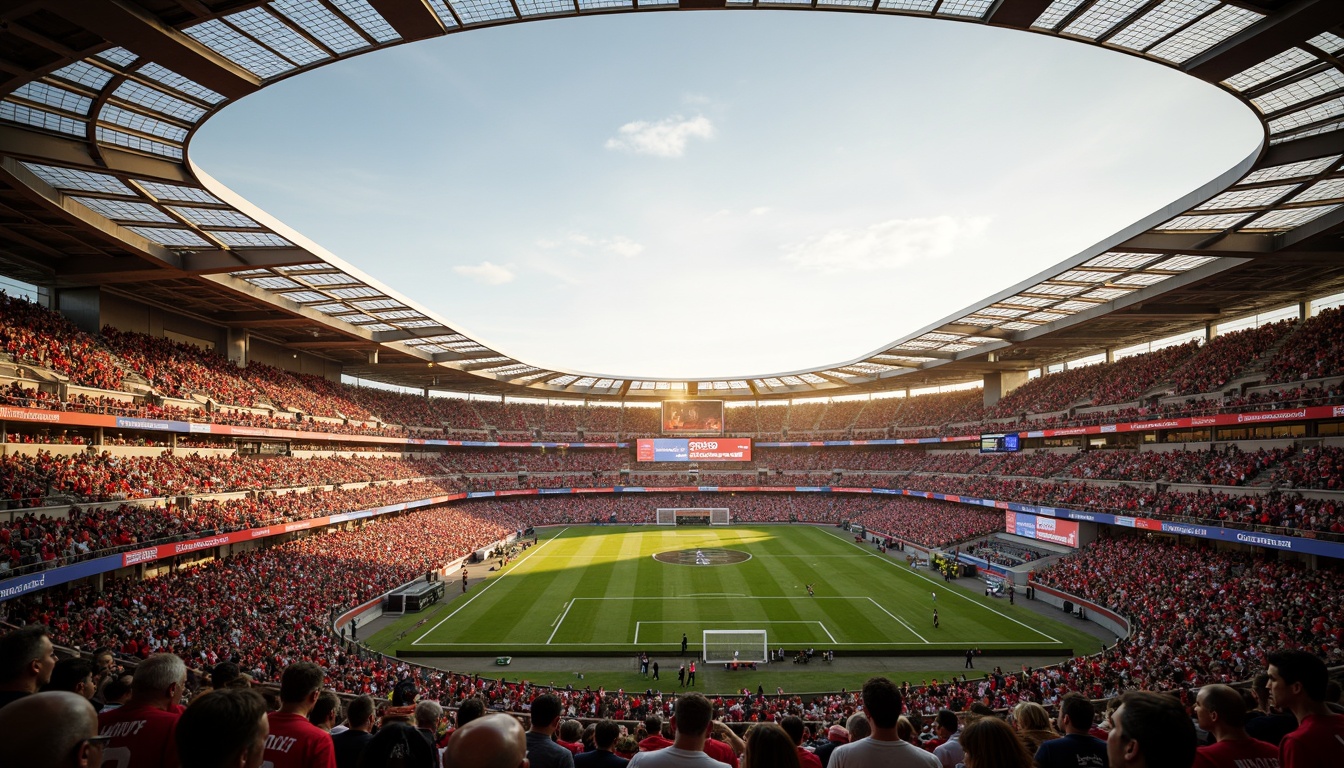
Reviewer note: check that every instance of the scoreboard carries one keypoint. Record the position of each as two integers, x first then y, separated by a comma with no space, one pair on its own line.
694,449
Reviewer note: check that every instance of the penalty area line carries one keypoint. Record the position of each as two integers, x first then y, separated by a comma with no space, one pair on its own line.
898,619
560,622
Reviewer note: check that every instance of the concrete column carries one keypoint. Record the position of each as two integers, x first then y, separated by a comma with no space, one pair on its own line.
1304,309
1210,332
999,385
80,306
236,347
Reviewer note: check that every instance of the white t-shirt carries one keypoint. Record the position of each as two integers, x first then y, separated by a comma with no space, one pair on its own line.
870,753
672,757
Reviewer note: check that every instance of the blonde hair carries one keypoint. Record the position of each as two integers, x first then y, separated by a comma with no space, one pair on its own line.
1031,716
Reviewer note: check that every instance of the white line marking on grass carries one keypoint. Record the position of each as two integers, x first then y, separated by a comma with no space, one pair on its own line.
561,621
827,631
487,587
898,619
957,593
716,594
561,614
948,646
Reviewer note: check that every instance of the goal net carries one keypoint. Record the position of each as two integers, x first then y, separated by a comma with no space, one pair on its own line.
693,515
724,646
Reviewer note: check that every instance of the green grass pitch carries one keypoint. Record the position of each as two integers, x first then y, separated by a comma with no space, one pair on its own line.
588,590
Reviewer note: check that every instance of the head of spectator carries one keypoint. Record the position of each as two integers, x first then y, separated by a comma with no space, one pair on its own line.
398,744
224,674
428,713
326,712
54,729
991,743
116,691
882,705
469,710
858,727
1297,683
571,731
1221,711
793,726
300,686
1075,714
490,741
626,746
770,746
906,730
589,737
359,715
1260,689
75,675
838,734
605,734
692,719
945,724
653,725
27,658
159,681
225,728
546,714
1150,730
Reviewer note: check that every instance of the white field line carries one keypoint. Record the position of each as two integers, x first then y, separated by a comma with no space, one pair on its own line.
949,646
560,622
827,631
898,619
561,615
955,592
487,587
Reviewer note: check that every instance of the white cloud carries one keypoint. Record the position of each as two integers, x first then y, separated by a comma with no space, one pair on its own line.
760,210
578,244
665,138
887,245
485,272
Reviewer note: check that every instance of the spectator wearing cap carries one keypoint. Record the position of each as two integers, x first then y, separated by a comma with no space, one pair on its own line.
835,736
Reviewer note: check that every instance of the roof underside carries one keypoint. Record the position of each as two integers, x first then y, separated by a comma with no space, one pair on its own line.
101,99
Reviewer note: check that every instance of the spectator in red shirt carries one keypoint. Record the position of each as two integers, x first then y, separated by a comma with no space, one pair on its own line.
793,726
1221,711
141,731
293,741
225,728
1297,683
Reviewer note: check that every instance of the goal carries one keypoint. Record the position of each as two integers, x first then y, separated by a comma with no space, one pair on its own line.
724,646
672,515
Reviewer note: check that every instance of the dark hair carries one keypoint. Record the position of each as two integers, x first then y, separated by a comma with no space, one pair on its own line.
360,711
1158,722
882,702
469,710
69,673
299,680
20,648
769,746
604,735
991,743
1078,708
948,719
398,744
545,709
693,714
224,673
1302,667
653,724
327,703
793,725
571,731
219,726
116,687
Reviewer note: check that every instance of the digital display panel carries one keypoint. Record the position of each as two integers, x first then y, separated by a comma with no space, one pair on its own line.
707,449
1042,528
1008,443
699,417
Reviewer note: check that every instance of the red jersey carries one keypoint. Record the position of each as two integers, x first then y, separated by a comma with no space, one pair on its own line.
654,743
807,759
142,737
1237,753
1317,743
296,743
720,751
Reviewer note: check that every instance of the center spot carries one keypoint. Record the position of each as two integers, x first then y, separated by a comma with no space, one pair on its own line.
702,556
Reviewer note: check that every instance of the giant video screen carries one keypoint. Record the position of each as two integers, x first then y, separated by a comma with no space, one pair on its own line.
692,417
1042,528
705,449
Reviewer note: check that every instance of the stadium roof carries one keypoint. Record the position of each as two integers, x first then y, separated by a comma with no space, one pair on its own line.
100,100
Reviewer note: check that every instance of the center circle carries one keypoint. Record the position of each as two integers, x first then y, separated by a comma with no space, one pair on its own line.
702,556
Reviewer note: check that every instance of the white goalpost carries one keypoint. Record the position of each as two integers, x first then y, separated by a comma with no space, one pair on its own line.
716,515
725,646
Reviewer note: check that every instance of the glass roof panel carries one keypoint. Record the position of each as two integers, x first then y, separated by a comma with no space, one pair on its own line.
426,323
1106,294
1119,260
1160,22
109,136
83,181
354,293
1056,13
1311,114
1328,189
227,42
1247,198
177,82
170,237
916,344
792,381
545,7
38,118
1270,68
305,297
214,218
277,35
598,5
1101,17
974,9
771,382
331,309
1074,306
137,122
1083,276
363,14
1217,222
477,11
1045,317
178,193
274,283
378,304
845,3
1205,33
1028,301
441,10
322,24
331,278
50,95
1337,125
1328,42
1141,278
400,314
1056,290
1291,170
1289,218
85,74
1018,325
252,239
923,6
119,56
977,320
563,381
1001,312
934,336
155,100
378,327
1184,263
125,210
1319,84
652,3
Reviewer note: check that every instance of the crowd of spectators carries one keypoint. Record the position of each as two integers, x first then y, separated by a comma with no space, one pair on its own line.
1227,356
180,370
37,336
1315,351
1230,466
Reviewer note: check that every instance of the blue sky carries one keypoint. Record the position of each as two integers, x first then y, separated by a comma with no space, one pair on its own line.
715,194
